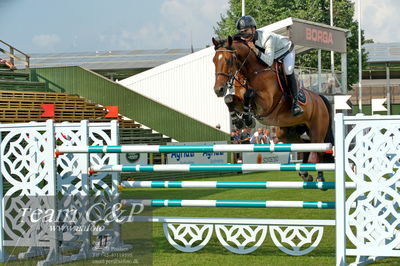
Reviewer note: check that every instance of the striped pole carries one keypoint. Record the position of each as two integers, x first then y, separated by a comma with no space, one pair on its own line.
235,221
232,184
233,203
300,147
213,167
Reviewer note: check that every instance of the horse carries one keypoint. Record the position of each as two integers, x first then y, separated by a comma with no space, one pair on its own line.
258,94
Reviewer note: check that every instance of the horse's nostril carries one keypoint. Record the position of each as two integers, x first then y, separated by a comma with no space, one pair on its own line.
219,91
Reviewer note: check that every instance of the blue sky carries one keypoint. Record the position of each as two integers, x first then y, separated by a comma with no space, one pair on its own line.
380,19
47,26
90,25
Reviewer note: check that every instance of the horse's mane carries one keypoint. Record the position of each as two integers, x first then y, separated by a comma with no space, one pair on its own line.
220,42
238,37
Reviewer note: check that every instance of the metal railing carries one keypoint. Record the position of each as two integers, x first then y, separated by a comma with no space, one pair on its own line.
11,51
327,83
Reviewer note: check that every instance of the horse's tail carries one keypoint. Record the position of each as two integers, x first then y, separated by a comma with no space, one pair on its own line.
329,138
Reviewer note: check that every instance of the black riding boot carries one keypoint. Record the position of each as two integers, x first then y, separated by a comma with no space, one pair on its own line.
296,109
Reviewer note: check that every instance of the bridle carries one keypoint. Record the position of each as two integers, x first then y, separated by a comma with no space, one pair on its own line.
224,50
232,76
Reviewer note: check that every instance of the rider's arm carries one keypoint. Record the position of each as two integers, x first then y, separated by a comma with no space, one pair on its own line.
266,41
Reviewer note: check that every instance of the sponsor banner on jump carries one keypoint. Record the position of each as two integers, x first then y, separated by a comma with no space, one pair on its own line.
133,158
197,157
265,157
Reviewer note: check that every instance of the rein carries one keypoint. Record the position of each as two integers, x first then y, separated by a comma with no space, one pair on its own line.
233,77
255,73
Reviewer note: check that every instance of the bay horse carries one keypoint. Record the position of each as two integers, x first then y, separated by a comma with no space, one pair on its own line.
257,94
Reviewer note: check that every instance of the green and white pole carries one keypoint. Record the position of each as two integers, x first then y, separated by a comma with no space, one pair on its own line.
233,184
232,203
214,167
299,147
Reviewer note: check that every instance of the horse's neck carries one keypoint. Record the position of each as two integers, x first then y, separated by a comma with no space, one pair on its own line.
262,80
265,83
252,67
262,77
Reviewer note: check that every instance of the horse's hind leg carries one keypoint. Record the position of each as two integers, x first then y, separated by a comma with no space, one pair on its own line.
318,132
320,177
304,174
234,105
294,134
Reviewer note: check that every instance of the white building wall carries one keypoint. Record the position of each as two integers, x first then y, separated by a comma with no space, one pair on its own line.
185,85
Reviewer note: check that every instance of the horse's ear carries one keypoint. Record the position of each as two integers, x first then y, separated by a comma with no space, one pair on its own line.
230,41
215,42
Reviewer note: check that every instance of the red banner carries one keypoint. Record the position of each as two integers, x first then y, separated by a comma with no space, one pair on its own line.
112,111
48,110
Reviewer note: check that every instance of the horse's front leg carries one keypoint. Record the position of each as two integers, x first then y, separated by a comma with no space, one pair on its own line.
235,105
249,120
294,134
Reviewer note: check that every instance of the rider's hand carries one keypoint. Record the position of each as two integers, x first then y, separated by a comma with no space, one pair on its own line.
251,44
247,38
254,48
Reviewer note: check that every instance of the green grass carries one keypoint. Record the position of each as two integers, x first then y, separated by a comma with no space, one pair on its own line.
366,108
268,253
214,253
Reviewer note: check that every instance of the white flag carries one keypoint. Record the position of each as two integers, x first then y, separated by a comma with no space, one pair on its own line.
377,105
340,102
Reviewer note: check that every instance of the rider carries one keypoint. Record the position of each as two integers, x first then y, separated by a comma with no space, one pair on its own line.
269,46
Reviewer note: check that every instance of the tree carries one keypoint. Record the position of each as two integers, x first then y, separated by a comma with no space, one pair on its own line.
269,11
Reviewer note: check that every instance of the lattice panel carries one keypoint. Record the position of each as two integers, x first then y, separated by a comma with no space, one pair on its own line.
80,190
372,160
243,239
23,166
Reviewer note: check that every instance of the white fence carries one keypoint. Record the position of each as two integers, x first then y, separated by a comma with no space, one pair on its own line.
190,78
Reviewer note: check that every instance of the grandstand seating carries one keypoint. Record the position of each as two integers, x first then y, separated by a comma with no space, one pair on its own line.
21,100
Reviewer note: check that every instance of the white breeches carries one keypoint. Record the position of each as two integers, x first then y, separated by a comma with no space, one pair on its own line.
288,62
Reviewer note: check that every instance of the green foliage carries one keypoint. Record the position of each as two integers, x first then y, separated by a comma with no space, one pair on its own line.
269,11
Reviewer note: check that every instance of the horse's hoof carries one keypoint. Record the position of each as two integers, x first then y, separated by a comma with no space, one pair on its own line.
251,123
239,124
307,178
321,179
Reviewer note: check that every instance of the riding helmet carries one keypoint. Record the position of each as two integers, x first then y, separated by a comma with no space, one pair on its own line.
245,22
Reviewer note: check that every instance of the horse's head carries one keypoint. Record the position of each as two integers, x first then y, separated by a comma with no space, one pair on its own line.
225,67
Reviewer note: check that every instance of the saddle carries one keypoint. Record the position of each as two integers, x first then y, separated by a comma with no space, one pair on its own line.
284,84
